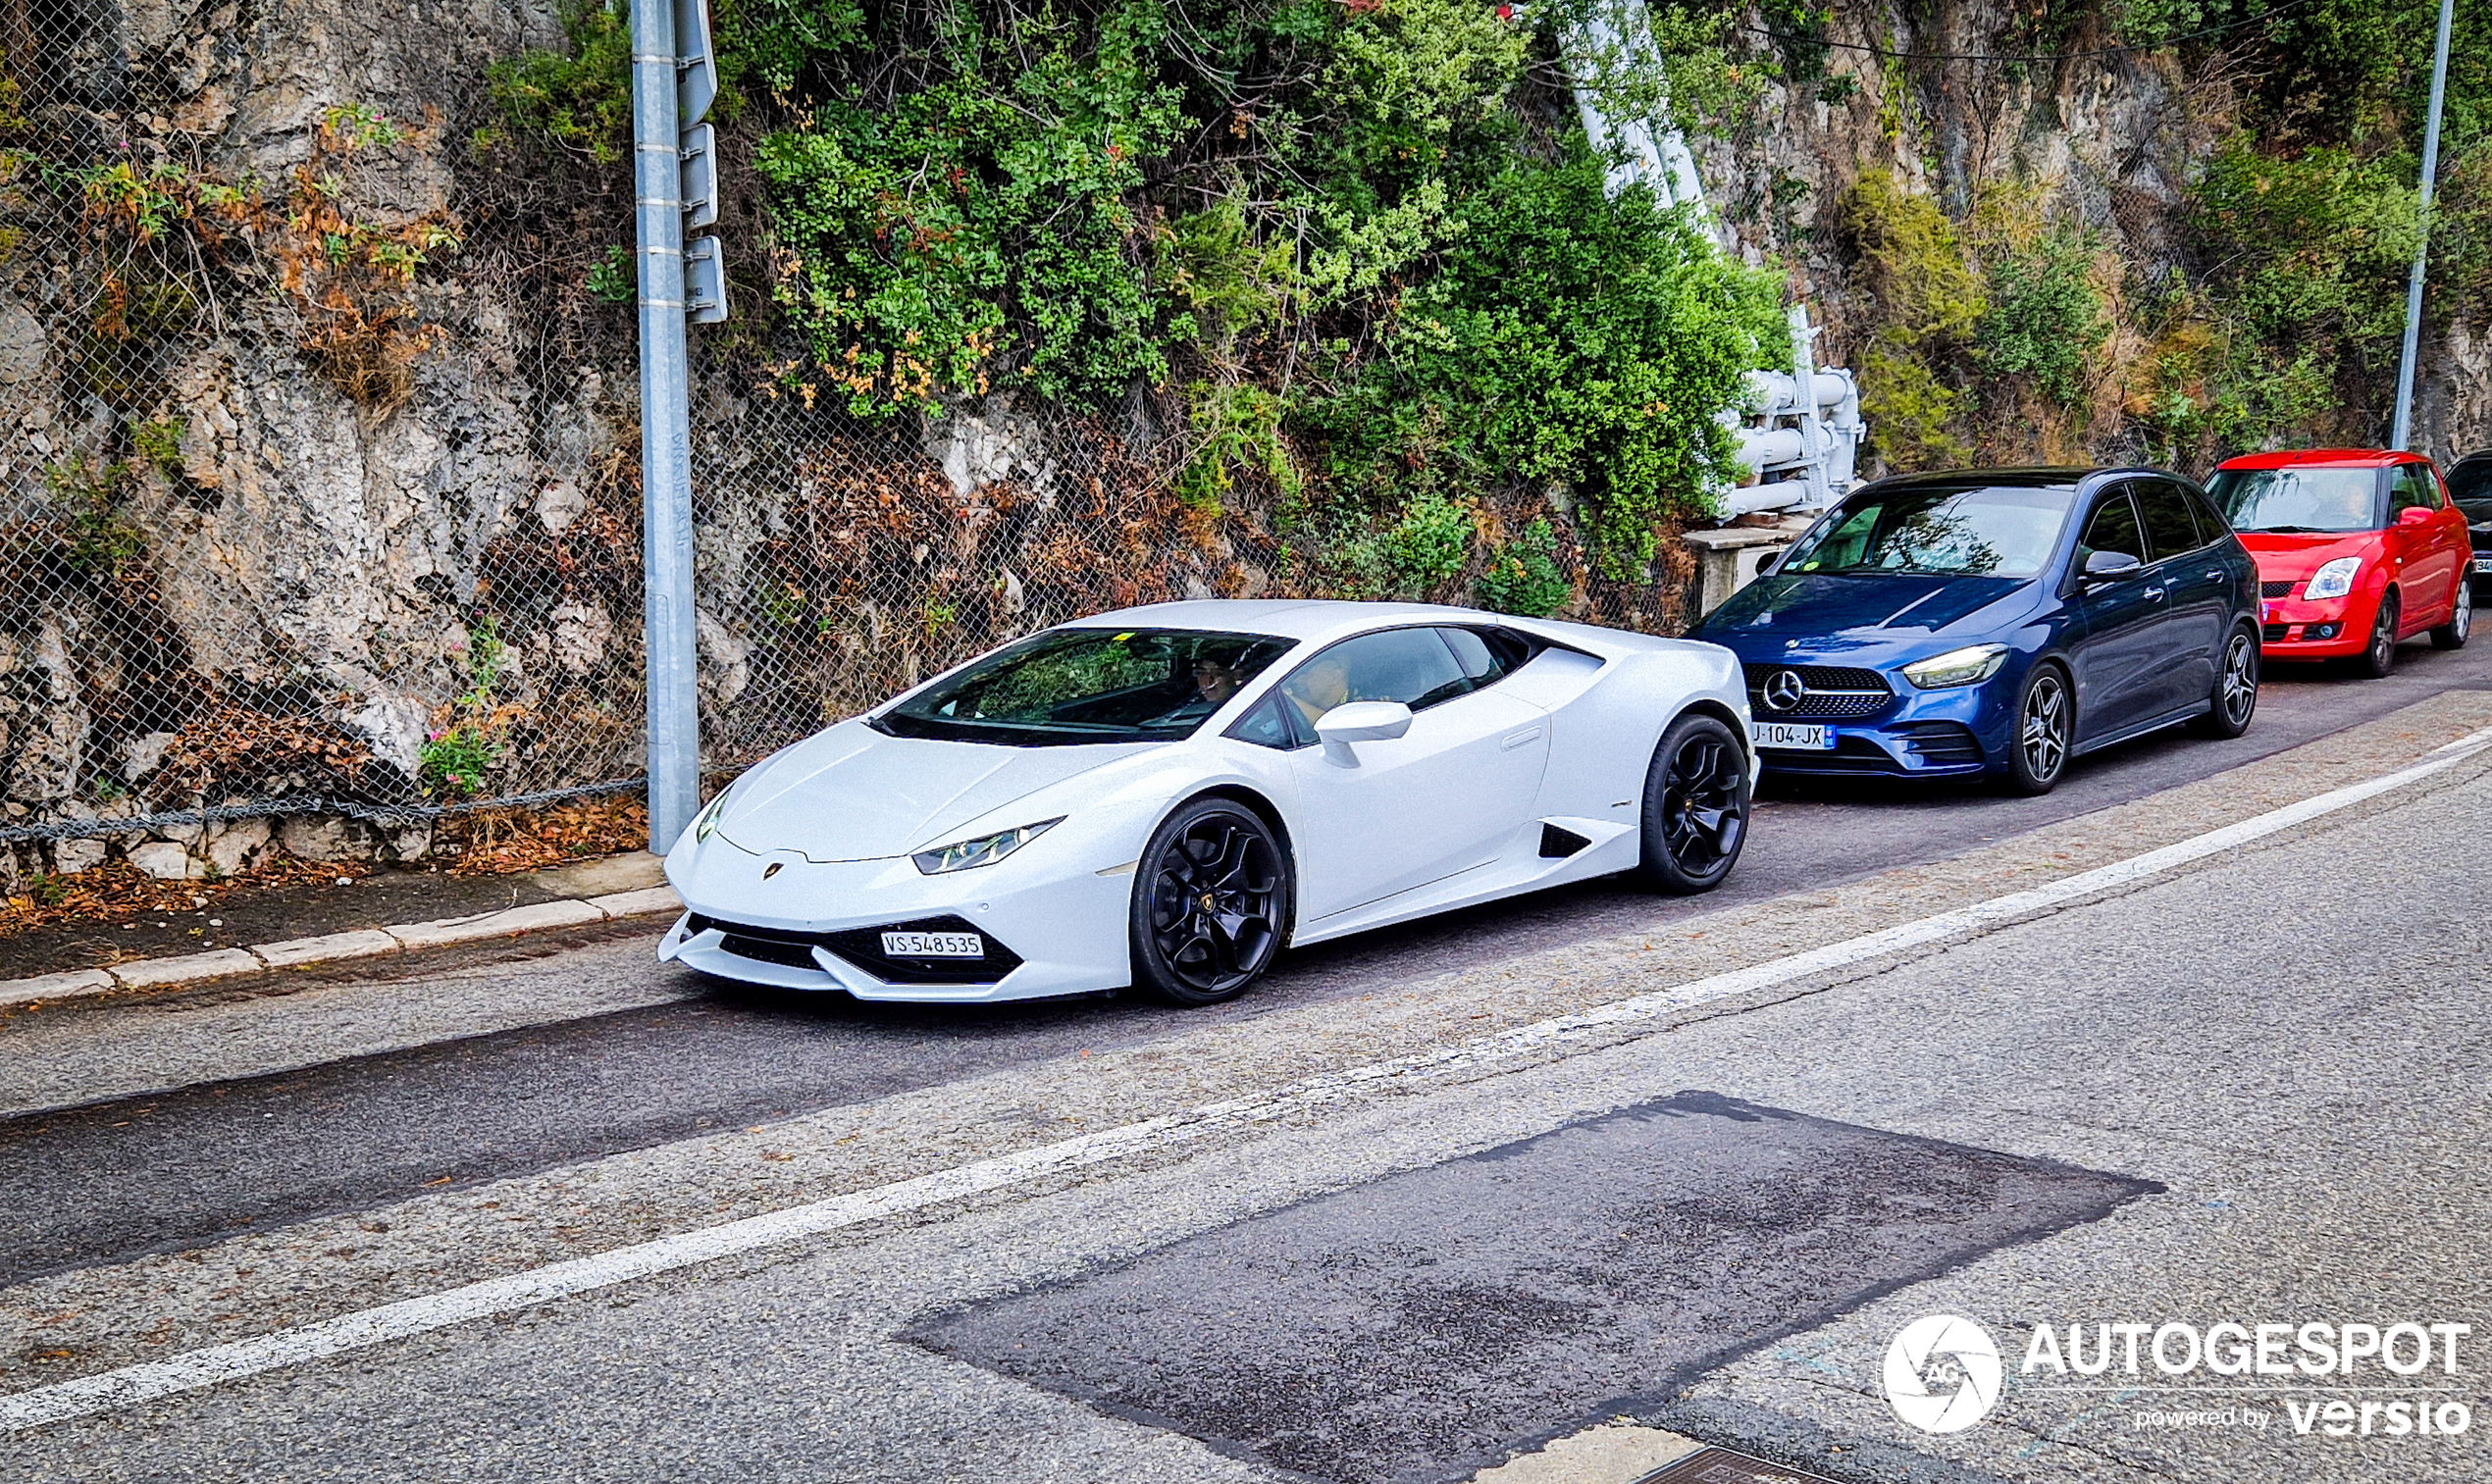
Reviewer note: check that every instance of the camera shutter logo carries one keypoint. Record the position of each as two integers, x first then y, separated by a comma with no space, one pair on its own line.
1942,1374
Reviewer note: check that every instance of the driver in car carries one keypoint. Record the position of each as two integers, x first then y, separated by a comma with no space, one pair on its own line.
1215,681
1324,685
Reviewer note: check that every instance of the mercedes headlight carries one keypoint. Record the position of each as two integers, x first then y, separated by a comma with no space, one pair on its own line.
2334,579
985,850
1968,666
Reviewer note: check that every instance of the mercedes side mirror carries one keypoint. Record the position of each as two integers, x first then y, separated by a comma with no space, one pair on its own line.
2109,566
1360,721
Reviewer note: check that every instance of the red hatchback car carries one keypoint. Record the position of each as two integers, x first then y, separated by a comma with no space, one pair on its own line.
2356,549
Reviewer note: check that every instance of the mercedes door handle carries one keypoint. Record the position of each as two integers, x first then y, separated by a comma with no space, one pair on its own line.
1527,735
2216,576
2154,595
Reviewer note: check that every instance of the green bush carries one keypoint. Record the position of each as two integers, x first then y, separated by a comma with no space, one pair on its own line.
1524,577
975,231
1566,336
582,98
1930,305
2044,319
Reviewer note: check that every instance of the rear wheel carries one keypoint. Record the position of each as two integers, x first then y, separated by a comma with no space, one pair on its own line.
2045,729
2379,656
2453,634
1696,795
1210,897
2236,697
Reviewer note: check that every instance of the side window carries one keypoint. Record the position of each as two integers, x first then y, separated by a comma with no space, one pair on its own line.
2210,521
2112,529
1486,656
1268,726
2414,487
1411,666
2169,530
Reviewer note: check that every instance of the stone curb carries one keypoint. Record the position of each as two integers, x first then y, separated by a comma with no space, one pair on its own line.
333,948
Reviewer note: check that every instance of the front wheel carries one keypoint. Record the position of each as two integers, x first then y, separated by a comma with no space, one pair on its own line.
1696,795
1211,898
2453,634
2236,695
2045,729
2379,656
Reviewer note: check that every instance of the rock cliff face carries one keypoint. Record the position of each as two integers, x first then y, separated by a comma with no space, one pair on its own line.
2104,142
293,551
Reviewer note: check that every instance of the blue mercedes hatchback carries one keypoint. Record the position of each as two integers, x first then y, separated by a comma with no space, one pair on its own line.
1997,621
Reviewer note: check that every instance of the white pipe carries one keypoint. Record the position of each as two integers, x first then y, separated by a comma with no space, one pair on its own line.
1779,495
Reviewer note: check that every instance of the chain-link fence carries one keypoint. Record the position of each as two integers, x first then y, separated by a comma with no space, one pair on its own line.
319,523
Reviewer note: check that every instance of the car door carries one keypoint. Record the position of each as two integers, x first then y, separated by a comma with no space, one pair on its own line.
2424,558
1383,817
2197,596
2116,658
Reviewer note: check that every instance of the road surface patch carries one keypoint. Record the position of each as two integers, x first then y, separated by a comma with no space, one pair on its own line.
1416,1327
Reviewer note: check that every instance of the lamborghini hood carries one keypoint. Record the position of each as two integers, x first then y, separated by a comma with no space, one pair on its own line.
853,793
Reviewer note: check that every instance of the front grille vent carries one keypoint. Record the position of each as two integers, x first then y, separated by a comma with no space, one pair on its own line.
2279,589
1942,744
1829,691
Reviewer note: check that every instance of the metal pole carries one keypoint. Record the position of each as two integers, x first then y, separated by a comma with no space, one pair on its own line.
666,515
2404,433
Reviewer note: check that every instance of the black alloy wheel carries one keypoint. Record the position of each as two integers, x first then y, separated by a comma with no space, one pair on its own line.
2379,656
1696,795
2453,634
2236,697
2045,728
1211,898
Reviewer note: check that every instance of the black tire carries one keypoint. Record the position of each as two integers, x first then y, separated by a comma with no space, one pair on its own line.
1698,792
1211,900
2236,697
2379,657
2044,734
2453,634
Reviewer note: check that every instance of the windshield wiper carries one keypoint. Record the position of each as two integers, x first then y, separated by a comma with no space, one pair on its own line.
2292,531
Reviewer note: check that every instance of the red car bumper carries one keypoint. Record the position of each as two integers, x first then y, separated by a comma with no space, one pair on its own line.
2337,627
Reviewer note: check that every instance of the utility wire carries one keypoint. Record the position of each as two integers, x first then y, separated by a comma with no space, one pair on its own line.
2102,51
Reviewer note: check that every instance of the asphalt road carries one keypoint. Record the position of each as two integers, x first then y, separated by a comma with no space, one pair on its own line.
2252,1092
104,1181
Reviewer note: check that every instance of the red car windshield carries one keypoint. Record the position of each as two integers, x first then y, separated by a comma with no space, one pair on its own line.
2291,501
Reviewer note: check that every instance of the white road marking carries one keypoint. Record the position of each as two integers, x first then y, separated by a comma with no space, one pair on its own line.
366,1328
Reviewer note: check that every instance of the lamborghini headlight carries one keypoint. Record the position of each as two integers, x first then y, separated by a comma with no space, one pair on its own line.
705,823
2334,579
1968,666
985,850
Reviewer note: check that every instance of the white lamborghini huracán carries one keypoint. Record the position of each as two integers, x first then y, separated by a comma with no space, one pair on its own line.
1165,796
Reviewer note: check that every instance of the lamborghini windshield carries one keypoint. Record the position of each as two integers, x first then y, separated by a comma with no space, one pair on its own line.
1072,686
1982,530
